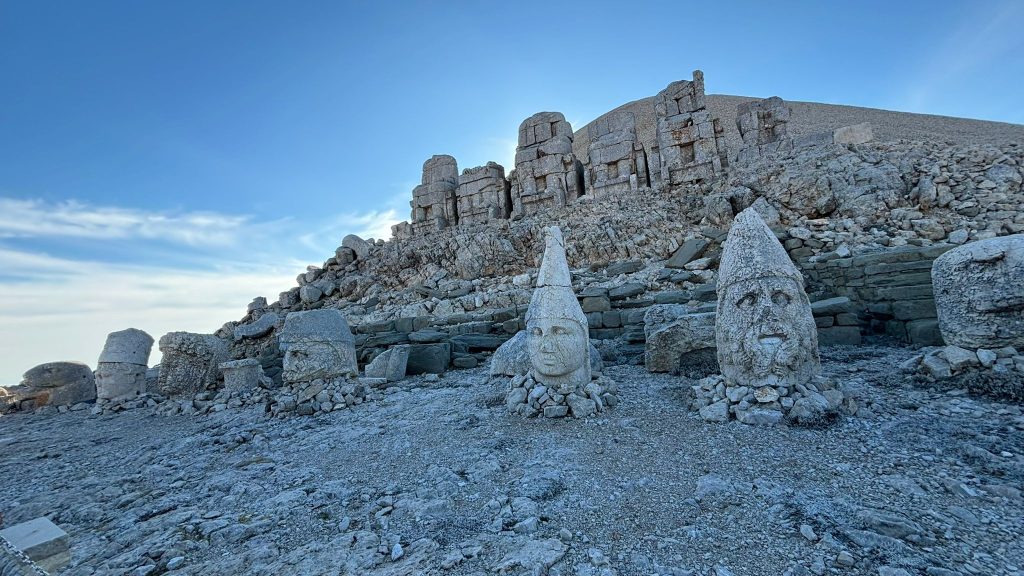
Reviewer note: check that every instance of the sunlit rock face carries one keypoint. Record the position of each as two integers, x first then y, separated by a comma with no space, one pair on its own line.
764,329
317,344
979,293
558,338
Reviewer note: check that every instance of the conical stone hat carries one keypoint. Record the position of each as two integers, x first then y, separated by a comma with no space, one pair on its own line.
752,251
554,297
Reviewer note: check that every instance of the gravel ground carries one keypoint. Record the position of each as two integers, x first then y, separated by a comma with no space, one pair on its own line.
436,478
810,117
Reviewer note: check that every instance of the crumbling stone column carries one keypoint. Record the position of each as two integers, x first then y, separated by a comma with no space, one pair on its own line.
616,161
483,195
763,127
433,201
547,173
691,144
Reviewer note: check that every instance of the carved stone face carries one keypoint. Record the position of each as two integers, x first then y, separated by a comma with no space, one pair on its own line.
766,333
557,346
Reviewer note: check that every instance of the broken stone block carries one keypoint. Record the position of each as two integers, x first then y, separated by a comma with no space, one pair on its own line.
317,344
390,364
190,362
54,384
121,369
428,358
42,541
691,146
433,202
855,134
260,327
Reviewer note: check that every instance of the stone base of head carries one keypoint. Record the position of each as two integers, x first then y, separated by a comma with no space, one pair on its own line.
803,404
528,397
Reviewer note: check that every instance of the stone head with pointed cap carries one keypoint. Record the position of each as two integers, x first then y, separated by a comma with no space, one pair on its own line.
764,328
558,338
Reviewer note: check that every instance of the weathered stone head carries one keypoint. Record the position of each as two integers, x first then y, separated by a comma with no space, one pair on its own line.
764,329
317,344
558,338
979,293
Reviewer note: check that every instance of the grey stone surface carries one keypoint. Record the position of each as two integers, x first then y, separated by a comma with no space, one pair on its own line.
434,200
672,331
483,195
390,364
117,380
513,357
616,162
428,358
557,331
190,362
765,331
244,374
317,344
358,246
688,136
690,250
979,293
131,346
855,134
547,173
56,375
42,541
261,327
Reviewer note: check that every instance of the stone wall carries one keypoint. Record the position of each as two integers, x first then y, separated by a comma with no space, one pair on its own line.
433,201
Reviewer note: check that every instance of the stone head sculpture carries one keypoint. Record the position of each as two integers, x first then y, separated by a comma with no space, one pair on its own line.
979,293
317,344
558,338
764,329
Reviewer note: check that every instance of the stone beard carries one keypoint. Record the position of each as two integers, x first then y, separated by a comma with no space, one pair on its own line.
559,352
769,337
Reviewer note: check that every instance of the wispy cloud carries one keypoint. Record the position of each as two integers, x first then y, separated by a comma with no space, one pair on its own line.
62,309
71,219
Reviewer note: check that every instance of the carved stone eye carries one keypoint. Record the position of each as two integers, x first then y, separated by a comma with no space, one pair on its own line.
781,298
747,301
559,331
537,332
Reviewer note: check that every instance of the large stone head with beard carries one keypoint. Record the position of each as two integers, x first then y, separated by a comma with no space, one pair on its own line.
764,329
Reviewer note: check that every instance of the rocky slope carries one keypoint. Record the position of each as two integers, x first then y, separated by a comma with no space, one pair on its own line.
437,478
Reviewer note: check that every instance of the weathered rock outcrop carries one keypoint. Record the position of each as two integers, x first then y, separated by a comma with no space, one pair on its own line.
191,362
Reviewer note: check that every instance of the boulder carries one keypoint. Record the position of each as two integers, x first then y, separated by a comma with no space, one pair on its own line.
360,247
131,346
260,327
979,293
390,364
690,250
668,343
317,344
55,384
191,362
428,358
244,374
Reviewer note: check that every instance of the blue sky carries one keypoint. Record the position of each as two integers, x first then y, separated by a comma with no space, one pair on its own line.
161,163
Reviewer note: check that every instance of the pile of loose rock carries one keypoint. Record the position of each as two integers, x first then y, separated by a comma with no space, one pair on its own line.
808,403
528,397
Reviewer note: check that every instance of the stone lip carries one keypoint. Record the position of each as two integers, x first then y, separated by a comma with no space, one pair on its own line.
130,346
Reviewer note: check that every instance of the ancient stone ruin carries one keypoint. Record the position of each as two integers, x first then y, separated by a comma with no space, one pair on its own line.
191,362
763,126
317,344
690,150
616,162
434,200
547,173
483,195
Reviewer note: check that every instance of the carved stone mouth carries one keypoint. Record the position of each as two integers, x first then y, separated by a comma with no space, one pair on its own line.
772,339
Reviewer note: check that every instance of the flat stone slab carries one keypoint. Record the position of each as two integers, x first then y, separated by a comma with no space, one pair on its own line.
40,540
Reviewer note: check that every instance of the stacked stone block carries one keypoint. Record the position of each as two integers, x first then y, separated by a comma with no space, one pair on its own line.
547,173
691,145
434,200
121,369
483,195
616,161
763,126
